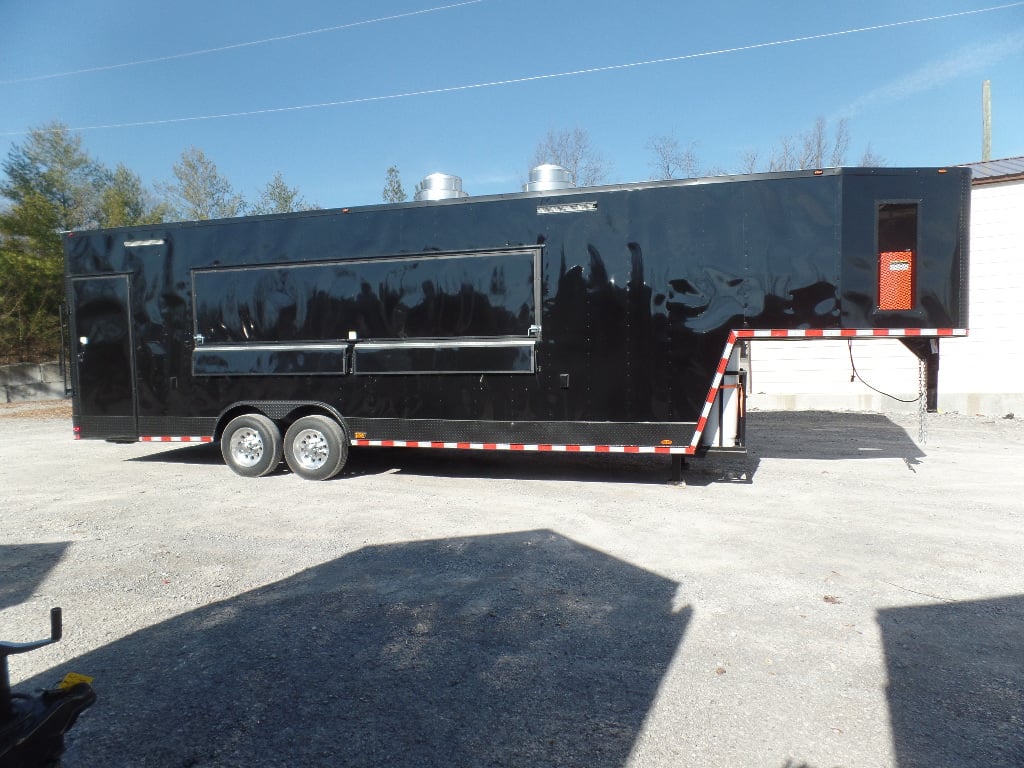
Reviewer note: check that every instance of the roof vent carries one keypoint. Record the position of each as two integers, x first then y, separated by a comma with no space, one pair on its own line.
548,177
440,186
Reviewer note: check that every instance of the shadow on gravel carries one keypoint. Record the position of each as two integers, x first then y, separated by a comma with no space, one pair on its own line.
204,453
522,649
509,465
956,683
23,568
454,463
828,435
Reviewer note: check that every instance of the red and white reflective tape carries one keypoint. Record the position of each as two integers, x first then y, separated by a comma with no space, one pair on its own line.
845,333
804,333
537,447
176,439
709,401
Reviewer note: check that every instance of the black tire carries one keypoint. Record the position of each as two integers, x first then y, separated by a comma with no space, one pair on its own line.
316,447
251,445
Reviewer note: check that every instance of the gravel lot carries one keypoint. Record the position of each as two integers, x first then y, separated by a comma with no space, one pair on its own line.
841,596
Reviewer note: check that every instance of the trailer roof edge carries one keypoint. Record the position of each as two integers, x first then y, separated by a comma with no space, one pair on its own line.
561,193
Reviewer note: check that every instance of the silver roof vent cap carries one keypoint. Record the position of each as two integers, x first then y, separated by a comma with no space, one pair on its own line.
440,186
548,177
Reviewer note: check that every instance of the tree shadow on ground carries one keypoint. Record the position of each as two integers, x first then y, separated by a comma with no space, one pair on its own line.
514,649
24,567
956,683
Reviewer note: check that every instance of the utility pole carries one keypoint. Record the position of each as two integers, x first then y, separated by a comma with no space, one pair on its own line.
986,121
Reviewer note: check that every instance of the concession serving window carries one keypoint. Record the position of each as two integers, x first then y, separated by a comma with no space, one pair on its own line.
474,312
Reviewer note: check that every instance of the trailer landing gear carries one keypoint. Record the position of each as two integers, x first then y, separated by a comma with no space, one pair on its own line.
678,467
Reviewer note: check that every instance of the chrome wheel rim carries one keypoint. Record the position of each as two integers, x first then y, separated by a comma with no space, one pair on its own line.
246,447
311,449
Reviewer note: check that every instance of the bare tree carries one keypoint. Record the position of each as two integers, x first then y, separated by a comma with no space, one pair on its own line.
749,161
670,160
572,150
783,156
840,142
817,150
870,158
813,149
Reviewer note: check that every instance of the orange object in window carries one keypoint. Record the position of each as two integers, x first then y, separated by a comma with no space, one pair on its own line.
896,280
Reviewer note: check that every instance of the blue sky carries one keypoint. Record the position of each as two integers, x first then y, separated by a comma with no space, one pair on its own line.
731,76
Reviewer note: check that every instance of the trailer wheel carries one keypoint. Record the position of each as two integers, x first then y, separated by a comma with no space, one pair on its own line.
316,447
251,445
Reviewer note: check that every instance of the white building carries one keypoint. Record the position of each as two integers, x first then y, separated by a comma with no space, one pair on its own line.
980,374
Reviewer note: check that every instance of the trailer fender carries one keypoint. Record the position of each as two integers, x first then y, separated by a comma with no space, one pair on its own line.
283,412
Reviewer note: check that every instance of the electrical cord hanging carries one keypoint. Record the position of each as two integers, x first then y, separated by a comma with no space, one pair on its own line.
856,375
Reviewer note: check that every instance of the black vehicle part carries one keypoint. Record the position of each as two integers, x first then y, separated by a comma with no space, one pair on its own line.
251,445
32,727
316,447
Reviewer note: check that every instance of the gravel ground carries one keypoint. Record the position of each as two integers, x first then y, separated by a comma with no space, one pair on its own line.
843,595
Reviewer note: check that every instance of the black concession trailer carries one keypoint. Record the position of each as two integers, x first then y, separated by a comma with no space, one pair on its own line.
604,319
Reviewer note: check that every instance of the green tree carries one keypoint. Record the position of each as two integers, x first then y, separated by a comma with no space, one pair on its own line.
125,202
394,192
278,197
50,185
198,191
30,292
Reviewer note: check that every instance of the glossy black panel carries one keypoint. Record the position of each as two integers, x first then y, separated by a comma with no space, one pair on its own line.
255,361
635,295
418,358
428,296
940,261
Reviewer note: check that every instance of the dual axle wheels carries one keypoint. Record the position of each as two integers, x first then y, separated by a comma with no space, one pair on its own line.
315,447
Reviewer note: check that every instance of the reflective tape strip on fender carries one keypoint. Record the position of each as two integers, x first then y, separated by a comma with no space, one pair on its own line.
178,438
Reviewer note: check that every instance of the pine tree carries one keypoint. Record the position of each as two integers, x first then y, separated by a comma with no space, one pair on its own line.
394,192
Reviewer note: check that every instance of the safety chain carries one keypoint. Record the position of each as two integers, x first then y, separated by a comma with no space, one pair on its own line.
922,402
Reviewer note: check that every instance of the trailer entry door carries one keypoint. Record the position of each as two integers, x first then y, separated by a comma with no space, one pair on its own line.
102,347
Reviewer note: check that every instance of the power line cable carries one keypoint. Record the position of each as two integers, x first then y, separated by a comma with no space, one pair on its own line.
531,78
235,46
